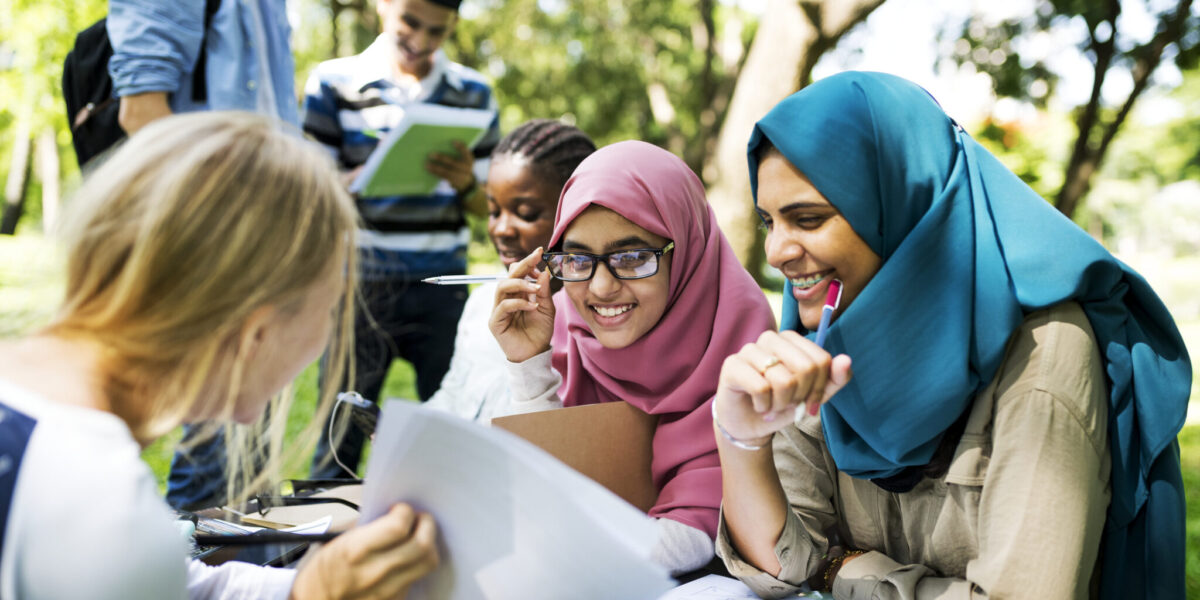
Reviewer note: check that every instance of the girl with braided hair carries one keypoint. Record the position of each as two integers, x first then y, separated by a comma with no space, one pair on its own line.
528,169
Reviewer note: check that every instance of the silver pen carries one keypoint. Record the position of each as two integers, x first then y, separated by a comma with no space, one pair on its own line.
464,279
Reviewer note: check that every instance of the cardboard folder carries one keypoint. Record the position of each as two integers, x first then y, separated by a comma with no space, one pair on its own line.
611,443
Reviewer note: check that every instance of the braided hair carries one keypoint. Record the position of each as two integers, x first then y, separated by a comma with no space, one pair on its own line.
553,148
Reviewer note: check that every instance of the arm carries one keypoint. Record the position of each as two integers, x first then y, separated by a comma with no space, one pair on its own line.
319,116
809,515
759,391
155,44
681,548
138,110
235,579
461,390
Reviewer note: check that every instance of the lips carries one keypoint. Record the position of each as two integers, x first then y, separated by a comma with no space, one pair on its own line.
811,287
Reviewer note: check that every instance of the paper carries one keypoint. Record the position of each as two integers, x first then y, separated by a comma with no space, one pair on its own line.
397,165
717,587
514,522
610,442
710,587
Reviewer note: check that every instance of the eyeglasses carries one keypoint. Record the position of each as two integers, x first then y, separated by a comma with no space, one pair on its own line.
625,264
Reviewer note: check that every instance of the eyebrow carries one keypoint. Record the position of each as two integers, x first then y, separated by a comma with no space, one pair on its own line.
632,241
797,206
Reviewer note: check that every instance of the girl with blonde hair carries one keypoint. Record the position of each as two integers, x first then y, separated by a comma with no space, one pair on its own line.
209,261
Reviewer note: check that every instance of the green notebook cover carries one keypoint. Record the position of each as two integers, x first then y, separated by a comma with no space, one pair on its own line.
397,166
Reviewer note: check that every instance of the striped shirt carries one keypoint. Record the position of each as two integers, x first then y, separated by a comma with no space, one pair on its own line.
352,102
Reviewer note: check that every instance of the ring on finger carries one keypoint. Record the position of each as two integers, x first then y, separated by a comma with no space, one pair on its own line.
774,360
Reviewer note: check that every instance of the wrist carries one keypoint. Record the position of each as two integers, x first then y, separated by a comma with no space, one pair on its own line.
834,567
468,188
748,444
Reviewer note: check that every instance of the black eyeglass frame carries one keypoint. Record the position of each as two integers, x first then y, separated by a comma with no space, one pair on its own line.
604,258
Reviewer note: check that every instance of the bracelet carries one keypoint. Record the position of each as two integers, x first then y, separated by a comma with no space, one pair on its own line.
834,566
733,440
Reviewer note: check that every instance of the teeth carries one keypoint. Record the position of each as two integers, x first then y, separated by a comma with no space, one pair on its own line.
612,311
807,282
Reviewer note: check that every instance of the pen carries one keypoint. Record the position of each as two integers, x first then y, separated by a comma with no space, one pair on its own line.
463,279
832,299
263,537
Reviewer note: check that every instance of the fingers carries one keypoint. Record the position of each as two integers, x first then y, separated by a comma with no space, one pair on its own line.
526,266
384,533
391,573
455,168
375,560
783,370
518,286
840,374
816,371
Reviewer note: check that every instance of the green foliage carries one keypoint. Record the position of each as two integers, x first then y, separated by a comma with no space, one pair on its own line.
36,35
995,48
616,70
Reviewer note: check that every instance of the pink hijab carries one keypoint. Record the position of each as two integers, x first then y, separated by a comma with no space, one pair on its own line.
714,308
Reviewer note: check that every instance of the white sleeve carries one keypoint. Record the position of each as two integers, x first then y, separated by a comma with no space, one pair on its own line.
534,384
455,394
681,548
237,581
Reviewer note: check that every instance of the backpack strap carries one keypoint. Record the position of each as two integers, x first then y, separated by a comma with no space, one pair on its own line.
199,73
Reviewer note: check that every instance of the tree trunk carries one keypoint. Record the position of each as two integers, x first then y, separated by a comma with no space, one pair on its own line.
18,180
48,173
789,40
1086,156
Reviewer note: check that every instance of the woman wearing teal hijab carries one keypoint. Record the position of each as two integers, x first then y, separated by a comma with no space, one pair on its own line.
1009,425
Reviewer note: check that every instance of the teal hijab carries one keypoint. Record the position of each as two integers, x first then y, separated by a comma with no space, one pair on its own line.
968,249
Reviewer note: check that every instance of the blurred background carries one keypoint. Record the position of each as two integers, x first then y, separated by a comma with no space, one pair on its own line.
1094,103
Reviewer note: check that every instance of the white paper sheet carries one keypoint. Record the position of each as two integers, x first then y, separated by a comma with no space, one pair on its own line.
514,522
710,587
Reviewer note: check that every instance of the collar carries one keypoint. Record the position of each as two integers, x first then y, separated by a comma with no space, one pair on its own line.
376,70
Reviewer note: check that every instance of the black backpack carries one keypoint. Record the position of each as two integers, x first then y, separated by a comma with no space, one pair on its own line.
87,88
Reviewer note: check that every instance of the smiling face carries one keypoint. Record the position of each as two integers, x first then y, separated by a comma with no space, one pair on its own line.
418,28
618,311
521,208
809,241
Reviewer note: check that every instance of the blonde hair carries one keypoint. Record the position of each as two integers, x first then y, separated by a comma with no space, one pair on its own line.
173,242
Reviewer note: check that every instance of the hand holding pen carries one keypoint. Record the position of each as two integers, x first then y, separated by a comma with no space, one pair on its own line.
523,316
763,385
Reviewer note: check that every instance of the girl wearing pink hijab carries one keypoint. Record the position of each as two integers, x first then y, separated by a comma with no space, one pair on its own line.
653,300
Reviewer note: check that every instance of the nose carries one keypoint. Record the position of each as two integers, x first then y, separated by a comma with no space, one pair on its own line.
603,284
782,249
420,39
502,226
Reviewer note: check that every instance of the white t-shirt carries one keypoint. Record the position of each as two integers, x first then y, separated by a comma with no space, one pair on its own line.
476,385
84,518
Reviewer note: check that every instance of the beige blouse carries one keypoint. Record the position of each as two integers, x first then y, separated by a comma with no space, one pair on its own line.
1019,513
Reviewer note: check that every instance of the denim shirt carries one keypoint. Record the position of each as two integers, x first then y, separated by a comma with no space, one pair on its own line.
250,67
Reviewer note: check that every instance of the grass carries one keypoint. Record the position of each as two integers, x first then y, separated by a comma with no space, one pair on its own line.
1189,452
30,288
